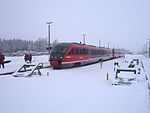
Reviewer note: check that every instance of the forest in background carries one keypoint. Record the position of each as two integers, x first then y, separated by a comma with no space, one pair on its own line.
15,45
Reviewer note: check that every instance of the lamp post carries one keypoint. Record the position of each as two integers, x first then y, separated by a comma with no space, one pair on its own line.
84,35
99,42
146,52
113,46
108,44
49,23
149,48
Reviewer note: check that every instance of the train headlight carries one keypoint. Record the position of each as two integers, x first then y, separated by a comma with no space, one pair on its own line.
68,56
61,57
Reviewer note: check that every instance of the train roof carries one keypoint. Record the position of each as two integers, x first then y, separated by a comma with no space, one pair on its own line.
68,44
65,43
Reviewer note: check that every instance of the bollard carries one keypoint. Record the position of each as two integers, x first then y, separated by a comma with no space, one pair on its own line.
148,86
107,77
47,73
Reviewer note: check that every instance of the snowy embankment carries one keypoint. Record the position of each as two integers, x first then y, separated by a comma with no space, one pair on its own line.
75,90
146,63
17,62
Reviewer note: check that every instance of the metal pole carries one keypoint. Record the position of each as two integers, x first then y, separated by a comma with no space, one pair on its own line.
99,43
149,48
49,43
108,44
49,36
146,50
84,38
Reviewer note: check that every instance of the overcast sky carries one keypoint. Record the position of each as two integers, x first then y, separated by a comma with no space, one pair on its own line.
123,23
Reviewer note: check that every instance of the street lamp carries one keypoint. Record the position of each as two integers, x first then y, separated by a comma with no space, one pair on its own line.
49,23
149,48
99,42
146,50
84,35
108,44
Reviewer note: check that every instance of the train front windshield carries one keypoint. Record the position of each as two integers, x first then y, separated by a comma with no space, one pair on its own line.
59,49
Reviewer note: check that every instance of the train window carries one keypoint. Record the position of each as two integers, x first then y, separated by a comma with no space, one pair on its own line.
98,52
93,52
59,49
90,51
77,51
102,52
64,50
81,51
86,51
71,52
74,51
108,51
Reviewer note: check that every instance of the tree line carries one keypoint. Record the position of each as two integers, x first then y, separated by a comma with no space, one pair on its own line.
14,45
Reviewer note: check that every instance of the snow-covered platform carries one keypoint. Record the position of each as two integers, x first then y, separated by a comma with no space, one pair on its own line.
76,90
128,74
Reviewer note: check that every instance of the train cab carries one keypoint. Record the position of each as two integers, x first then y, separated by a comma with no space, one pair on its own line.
57,54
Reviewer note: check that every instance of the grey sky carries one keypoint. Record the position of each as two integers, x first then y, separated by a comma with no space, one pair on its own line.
124,23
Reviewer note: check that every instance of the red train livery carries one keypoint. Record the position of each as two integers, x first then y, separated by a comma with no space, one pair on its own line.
65,55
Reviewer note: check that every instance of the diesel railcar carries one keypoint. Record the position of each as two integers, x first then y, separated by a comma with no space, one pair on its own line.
65,55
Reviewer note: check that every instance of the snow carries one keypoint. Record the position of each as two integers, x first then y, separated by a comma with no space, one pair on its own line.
75,90
17,62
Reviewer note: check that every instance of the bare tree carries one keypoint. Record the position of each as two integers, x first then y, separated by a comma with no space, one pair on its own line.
55,42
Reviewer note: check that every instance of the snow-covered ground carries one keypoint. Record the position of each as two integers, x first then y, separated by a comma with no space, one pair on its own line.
75,90
17,62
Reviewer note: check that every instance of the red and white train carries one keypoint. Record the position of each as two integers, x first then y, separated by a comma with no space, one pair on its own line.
65,55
